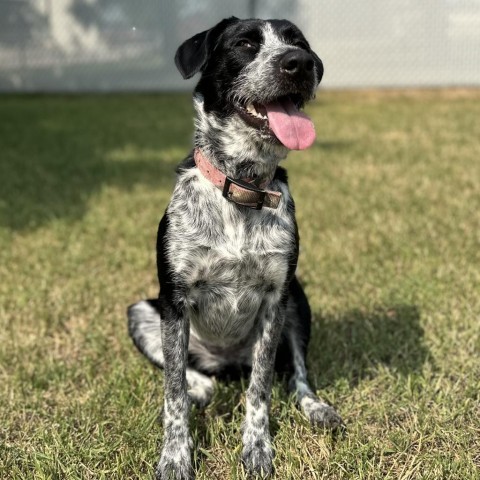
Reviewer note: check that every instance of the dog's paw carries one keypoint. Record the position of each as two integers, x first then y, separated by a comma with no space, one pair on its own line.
200,388
257,458
322,415
200,395
174,464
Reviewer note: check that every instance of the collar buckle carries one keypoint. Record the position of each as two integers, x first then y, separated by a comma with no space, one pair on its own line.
243,193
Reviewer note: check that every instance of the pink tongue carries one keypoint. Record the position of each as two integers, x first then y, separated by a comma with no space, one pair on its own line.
292,127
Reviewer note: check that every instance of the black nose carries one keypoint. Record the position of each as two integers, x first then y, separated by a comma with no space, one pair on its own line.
296,62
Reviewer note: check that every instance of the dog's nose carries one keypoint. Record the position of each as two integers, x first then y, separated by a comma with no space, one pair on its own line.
296,62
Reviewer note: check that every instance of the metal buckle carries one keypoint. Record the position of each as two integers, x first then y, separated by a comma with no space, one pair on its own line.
246,186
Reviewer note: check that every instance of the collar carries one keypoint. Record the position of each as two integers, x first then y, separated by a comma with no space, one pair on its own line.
240,191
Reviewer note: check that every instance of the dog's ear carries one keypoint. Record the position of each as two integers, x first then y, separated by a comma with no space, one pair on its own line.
192,55
318,66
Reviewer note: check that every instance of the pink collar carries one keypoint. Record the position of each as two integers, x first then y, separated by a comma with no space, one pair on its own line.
240,191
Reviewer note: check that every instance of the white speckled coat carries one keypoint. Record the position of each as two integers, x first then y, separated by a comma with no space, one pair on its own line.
228,292
233,261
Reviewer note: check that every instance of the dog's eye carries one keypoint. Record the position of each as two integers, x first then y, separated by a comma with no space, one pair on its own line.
245,43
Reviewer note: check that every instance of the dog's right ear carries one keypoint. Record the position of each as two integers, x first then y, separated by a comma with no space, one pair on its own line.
192,54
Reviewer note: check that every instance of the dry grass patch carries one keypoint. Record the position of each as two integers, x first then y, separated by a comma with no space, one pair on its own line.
390,259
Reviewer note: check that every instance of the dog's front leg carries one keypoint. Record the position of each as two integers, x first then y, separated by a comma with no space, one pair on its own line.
257,449
175,460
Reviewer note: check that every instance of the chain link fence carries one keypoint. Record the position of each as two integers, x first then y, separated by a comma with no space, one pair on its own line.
124,45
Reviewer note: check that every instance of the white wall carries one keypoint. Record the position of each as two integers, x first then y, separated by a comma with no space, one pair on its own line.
104,45
395,42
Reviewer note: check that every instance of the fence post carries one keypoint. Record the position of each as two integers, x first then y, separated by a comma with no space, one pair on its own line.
252,8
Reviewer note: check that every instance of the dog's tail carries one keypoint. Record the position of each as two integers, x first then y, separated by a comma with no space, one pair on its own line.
144,328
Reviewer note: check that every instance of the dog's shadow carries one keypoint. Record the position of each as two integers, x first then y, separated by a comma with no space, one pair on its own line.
352,345
346,347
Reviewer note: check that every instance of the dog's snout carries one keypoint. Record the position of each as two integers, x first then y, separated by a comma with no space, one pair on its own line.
296,62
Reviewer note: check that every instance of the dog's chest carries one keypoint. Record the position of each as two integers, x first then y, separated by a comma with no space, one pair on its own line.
232,261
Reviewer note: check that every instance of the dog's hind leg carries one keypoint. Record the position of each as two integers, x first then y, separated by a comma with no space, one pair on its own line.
314,408
297,335
144,328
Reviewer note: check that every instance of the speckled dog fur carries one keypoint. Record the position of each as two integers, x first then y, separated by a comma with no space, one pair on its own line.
228,292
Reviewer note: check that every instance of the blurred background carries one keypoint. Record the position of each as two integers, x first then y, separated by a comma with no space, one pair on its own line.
122,45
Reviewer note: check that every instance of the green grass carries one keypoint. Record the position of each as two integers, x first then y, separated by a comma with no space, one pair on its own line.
388,203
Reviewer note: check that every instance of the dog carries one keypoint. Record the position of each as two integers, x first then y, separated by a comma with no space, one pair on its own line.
227,245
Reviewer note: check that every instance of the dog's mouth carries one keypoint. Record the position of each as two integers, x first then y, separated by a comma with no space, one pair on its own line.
282,119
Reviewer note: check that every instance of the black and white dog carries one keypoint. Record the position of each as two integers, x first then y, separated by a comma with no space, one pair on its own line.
227,245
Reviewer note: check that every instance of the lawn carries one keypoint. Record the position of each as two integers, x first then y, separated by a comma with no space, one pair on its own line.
388,203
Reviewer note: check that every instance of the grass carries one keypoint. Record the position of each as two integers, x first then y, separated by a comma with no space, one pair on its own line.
388,206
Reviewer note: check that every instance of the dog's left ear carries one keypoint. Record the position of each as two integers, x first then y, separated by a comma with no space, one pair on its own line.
193,54
318,66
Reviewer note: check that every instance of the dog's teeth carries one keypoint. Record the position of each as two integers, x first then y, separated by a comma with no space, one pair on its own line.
251,109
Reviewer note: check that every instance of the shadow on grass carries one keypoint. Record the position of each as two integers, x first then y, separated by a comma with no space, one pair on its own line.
349,346
354,344
56,152
334,145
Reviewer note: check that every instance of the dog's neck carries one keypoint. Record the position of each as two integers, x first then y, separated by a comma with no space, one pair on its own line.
232,147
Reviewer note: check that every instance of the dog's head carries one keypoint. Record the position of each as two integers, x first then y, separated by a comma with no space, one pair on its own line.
258,74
